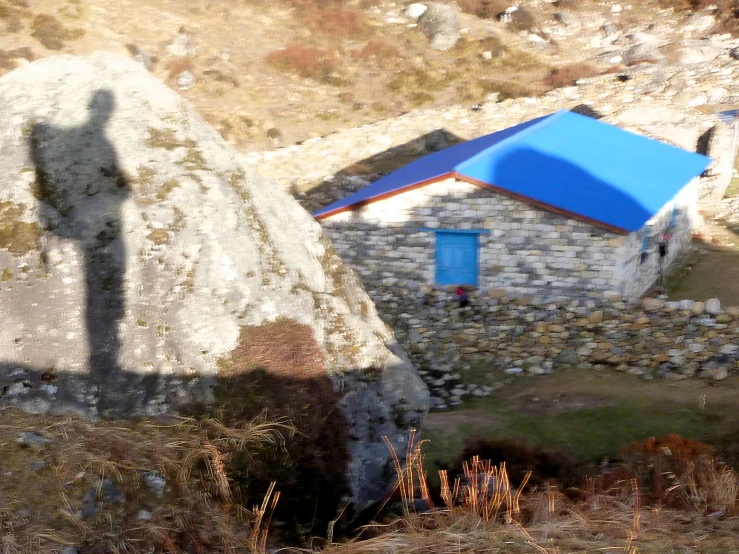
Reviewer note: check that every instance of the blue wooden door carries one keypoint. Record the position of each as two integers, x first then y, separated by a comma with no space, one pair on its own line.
456,258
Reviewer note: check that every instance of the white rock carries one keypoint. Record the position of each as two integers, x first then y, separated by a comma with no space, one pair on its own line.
728,349
513,370
414,11
713,306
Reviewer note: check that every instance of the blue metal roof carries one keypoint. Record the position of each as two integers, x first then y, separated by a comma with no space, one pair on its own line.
565,161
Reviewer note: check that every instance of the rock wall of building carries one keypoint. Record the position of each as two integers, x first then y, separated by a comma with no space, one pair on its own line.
637,275
525,250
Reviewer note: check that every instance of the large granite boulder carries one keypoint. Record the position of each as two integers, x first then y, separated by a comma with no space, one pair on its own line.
140,258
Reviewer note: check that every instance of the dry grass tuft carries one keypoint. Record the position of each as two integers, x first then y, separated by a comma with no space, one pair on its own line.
197,512
566,75
307,61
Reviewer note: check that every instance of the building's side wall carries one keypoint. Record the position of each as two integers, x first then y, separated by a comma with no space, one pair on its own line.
638,276
527,250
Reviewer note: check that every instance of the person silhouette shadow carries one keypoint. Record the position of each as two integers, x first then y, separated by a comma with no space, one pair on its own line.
81,189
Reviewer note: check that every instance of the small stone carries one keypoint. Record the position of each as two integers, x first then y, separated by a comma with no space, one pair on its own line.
696,347
38,465
723,318
699,308
144,515
536,370
90,506
728,349
686,304
513,370
584,351
497,293
111,492
33,440
652,304
23,514
185,80
713,306
733,311
596,316
69,550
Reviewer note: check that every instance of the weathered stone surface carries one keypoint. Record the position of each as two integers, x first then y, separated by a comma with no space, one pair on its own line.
440,24
157,246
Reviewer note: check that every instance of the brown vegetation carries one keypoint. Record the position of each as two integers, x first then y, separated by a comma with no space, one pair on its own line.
51,33
566,75
307,61
485,9
337,22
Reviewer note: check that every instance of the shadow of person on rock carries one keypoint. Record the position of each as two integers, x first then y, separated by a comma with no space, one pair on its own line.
80,189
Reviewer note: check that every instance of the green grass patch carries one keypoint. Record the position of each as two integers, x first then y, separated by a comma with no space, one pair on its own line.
586,414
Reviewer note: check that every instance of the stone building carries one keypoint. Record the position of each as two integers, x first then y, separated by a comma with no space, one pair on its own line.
559,205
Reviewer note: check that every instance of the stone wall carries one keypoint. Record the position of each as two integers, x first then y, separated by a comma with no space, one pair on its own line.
464,352
525,250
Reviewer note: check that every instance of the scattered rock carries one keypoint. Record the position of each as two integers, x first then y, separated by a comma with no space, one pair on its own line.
440,25
185,80
513,370
31,439
182,46
155,482
90,506
69,550
23,514
38,465
112,494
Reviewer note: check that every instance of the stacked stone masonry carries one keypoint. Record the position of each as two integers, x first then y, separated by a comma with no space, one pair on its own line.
524,249
537,335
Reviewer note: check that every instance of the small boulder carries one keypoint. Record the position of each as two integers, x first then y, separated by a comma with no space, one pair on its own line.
440,24
31,439
713,306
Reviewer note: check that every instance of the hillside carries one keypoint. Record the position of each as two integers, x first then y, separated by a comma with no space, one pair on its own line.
281,72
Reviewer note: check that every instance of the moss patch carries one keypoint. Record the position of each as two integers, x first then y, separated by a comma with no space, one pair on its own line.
17,237
6,275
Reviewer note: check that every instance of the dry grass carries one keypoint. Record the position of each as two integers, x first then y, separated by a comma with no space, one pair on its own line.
197,512
307,61
487,515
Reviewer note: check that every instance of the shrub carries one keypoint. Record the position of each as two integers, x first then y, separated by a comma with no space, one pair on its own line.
379,50
508,89
336,22
306,61
566,75
522,20
520,458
